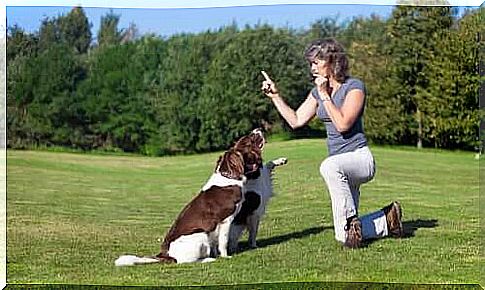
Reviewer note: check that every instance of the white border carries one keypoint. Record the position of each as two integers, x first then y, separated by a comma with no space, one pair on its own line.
130,4
218,3
3,151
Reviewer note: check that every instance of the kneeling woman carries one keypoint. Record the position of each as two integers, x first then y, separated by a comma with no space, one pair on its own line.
338,100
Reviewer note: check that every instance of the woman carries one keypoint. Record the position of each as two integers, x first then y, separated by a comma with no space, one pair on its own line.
338,100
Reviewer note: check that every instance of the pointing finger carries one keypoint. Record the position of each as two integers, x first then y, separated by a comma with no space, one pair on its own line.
266,75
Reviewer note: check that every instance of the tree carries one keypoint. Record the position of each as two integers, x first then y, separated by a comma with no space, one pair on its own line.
114,98
231,101
75,30
48,33
184,68
41,98
450,102
108,33
20,43
367,45
323,28
414,32
130,34
147,63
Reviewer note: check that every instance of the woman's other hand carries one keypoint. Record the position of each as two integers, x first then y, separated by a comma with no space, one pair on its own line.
322,85
320,81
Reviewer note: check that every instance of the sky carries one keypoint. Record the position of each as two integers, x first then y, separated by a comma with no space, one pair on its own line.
173,17
166,22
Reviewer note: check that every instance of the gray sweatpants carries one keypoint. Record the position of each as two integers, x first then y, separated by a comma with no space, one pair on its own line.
343,174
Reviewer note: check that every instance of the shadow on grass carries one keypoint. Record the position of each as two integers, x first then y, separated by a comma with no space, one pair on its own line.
410,227
244,246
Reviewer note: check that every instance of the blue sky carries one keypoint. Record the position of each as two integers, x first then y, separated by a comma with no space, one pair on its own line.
166,22
166,17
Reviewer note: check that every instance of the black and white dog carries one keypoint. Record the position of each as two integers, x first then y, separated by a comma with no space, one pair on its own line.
257,192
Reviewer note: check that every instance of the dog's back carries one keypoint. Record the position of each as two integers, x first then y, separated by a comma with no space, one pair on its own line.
204,212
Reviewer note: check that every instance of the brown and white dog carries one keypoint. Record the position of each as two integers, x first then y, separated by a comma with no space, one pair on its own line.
257,192
202,228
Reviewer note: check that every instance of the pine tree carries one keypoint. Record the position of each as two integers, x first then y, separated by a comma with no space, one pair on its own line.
109,33
75,30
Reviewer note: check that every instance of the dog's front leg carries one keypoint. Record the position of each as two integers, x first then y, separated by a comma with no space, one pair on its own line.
235,234
253,225
223,239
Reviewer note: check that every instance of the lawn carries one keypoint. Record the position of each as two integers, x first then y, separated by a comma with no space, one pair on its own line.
70,215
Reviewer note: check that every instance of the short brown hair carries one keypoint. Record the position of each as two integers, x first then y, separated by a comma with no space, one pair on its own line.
331,51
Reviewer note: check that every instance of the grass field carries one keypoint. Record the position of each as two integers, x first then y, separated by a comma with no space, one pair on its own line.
71,215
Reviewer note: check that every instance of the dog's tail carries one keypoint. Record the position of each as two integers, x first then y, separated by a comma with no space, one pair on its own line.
132,260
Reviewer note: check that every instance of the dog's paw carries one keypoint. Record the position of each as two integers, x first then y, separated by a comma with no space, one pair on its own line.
280,161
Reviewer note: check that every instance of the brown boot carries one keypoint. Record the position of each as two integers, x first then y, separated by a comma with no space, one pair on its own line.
393,216
354,233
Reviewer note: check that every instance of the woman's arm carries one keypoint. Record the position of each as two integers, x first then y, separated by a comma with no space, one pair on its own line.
303,114
295,119
344,117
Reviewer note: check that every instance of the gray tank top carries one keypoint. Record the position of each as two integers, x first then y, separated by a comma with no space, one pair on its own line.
354,138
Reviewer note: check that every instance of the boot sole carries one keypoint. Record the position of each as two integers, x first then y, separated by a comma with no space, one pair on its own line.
398,208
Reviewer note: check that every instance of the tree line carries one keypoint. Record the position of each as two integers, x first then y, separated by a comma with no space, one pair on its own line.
198,92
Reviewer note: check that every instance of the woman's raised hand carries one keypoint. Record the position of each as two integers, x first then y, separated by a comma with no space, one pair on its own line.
268,87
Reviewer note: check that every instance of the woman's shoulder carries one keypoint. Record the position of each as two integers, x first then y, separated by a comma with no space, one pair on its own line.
354,83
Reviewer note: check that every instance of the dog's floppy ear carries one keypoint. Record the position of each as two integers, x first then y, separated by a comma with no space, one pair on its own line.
241,142
218,163
232,164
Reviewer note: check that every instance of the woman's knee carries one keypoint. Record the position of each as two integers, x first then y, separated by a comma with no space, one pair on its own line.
329,169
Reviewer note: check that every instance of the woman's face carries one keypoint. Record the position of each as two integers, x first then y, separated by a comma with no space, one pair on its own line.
318,67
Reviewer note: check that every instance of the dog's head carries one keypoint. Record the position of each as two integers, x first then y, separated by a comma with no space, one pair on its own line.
251,147
231,164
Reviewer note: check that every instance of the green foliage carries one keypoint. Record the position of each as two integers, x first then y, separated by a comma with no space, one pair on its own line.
113,98
450,104
384,116
322,28
108,33
75,30
184,67
415,33
41,96
198,92
20,43
231,102
48,33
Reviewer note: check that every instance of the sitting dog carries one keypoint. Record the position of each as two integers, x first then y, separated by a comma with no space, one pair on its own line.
201,231
257,192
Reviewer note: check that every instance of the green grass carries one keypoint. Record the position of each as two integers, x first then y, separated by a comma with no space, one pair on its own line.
71,215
